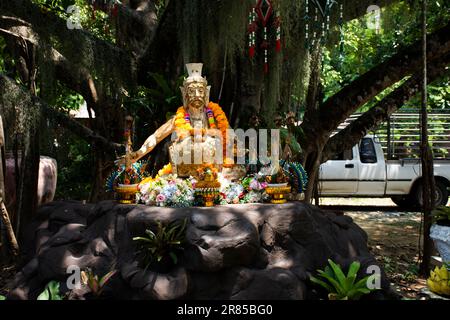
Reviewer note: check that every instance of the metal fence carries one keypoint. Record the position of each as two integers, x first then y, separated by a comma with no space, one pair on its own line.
400,135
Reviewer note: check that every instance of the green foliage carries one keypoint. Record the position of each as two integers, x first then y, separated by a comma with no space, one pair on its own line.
2,297
164,244
92,281
154,105
388,265
74,163
441,214
101,27
51,292
364,48
160,98
341,286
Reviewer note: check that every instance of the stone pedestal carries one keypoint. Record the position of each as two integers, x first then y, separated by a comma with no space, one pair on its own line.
251,251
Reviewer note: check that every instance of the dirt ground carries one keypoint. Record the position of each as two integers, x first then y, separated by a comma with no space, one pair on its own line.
393,239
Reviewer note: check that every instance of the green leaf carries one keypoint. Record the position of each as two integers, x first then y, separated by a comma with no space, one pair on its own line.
142,239
338,288
51,292
339,274
174,257
107,277
352,273
321,283
45,295
150,233
2,297
353,270
362,283
161,82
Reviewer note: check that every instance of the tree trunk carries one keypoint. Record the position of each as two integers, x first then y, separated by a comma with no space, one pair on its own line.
314,141
428,186
251,84
29,123
5,218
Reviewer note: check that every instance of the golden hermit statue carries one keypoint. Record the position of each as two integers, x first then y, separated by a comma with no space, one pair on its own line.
198,129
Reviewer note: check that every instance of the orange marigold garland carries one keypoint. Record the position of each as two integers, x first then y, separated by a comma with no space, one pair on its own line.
218,120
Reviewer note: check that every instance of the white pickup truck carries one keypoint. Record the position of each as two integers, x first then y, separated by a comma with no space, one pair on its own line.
363,172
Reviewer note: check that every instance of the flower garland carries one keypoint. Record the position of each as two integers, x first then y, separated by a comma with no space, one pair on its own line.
216,119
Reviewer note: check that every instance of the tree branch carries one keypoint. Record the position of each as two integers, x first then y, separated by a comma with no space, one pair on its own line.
8,86
379,113
100,57
341,105
78,78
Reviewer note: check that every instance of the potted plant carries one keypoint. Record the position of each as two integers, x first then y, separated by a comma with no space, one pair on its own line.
440,231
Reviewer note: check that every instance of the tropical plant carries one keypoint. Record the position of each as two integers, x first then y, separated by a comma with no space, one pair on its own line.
162,245
92,281
441,215
340,286
51,292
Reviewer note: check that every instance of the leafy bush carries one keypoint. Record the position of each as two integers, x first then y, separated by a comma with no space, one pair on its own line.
341,287
2,297
441,215
51,292
162,247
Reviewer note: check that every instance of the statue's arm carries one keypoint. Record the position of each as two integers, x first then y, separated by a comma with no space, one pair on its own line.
154,139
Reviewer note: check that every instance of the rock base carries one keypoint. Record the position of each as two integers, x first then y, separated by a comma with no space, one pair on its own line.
251,251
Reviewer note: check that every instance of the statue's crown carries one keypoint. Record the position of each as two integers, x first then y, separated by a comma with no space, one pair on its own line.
194,74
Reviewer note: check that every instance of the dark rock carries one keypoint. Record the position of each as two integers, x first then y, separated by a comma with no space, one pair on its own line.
254,251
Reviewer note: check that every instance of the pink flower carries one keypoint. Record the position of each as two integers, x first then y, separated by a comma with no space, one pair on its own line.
263,185
172,182
255,185
160,198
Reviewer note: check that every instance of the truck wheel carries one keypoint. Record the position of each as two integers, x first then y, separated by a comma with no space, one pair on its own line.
402,201
441,197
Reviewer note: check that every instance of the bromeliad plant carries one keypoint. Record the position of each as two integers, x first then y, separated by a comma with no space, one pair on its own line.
94,283
341,286
162,246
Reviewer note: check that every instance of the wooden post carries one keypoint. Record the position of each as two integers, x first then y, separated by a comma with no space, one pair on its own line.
388,134
428,185
3,212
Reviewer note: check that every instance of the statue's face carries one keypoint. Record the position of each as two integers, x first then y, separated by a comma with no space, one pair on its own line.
195,95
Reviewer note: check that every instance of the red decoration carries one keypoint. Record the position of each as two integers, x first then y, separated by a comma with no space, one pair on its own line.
115,10
278,45
251,52
262,13
264,16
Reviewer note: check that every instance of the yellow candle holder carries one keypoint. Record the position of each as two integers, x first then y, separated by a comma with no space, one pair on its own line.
278,192
126,193
208,195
